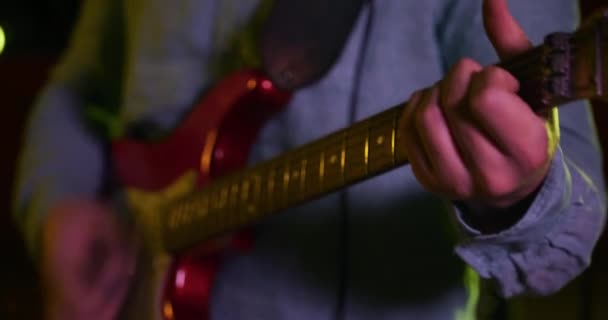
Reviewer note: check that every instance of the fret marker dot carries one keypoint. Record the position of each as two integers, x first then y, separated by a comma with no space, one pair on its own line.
333,159
380,140
295,174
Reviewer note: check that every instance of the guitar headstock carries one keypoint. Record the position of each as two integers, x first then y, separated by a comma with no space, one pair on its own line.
565,67
585,68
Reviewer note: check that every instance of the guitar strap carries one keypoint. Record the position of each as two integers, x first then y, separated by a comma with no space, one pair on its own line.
302,39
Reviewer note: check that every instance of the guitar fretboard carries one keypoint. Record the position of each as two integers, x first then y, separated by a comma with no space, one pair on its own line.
365,149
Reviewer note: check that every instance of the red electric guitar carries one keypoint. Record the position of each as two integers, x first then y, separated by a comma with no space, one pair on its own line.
191,189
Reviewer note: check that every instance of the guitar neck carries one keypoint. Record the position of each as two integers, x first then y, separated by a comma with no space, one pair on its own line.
363,150
345,157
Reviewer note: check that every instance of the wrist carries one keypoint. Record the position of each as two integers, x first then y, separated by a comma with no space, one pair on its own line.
491,218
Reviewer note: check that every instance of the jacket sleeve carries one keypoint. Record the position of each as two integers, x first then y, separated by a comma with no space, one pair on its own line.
60,156
553,242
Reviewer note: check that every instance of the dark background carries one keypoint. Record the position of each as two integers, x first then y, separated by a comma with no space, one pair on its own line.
37,31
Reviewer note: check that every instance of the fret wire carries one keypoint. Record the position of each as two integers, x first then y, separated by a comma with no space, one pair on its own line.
321,170
393,138
213,197
279,184
235,191
270,186
245,189
286,175
243,198
343,156
222,206
255,195
293,173
236,211
258,191
224,196
367,150
215,194
244,195
205,205
228,187
303,175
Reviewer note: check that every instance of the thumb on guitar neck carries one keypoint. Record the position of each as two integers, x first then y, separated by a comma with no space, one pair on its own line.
503,31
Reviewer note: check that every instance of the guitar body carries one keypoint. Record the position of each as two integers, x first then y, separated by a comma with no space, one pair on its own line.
214,139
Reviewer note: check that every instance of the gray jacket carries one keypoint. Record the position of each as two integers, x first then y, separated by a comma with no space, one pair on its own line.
382,249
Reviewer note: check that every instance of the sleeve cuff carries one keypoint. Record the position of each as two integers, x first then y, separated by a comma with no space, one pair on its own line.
552,196
535,254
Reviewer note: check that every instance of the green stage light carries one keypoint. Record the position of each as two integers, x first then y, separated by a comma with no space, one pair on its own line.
2,39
